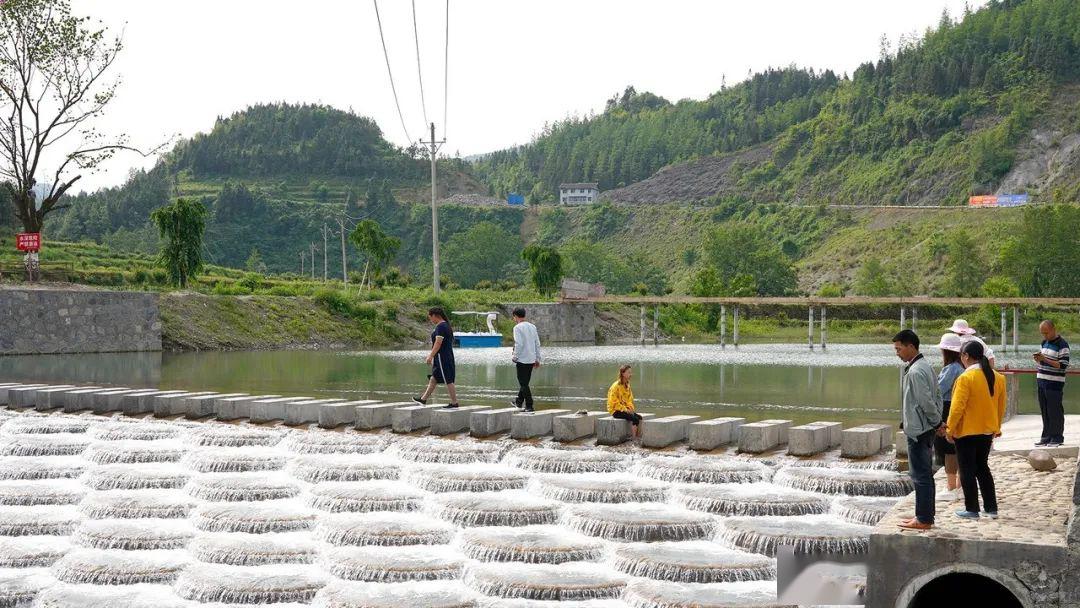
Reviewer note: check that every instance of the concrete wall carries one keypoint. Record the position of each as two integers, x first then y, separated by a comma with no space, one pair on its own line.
561,322
43,321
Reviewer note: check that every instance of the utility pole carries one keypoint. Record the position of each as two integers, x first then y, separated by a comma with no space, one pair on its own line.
312,246
301,263
434,146
324,252
344,271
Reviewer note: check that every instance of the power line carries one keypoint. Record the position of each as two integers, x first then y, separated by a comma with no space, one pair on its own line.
446,69
419,72
389,73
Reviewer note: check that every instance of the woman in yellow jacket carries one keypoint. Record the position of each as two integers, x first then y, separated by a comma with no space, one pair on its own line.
620,401
978,407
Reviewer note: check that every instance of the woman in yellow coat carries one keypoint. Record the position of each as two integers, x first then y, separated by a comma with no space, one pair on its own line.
978,407
620,401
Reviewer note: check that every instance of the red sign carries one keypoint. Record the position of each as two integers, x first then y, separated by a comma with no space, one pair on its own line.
28,241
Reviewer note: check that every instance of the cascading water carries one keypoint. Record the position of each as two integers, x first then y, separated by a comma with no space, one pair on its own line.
328,442
864,510
807,533
758,498
656,594
34,425
142,595
137,431
347,467
692,562
232,487
32,551
254,517
240,549
131,451
429,594
232,436
38,520
549,582
133,534
394,564
342,497
52,444
529,544
131,504
41,492
640,522
94,567
383,529
552,460
466,478
855,482
41,467
433,450
602,487
270,584
19,586
506,508
703,469
136,477
235,460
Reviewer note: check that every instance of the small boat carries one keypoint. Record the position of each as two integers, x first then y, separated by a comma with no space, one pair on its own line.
478,339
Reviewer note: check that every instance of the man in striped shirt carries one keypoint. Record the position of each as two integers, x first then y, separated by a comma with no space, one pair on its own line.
1052,360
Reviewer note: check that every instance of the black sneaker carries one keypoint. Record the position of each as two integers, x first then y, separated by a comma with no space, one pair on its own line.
529,410
1042,443
1053,444
514,403
451,406
420,401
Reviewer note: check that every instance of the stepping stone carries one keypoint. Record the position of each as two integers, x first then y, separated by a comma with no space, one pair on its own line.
526,425
232,408
112,401
268,410
445,422
36,395
491,422
53,397
205,405
662,432
571,427
305,412
711,434
141,402
377,415
886,432
860,441
901,444
5,391
332,415
82,399
23,396
808,439
173,404
412,417
613,431
762,436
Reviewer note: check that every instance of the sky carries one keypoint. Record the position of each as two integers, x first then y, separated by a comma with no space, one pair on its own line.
513,65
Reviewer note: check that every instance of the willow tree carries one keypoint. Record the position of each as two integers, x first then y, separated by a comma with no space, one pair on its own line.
181,225
377,246
545,267
54,86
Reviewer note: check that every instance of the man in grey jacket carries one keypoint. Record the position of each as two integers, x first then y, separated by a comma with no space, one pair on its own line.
921,412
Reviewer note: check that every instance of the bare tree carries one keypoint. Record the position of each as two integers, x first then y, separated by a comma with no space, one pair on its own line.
53,88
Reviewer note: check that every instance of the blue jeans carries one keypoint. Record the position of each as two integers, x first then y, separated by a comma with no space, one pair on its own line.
921,469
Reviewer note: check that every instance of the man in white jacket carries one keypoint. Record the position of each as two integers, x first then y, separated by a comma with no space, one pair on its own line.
526,357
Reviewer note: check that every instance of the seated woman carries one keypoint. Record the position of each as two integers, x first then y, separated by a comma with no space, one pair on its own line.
620,401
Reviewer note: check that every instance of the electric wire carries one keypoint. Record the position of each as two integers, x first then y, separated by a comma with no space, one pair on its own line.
446,69
419,72
386,55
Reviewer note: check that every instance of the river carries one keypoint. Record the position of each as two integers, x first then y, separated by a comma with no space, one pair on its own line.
851,383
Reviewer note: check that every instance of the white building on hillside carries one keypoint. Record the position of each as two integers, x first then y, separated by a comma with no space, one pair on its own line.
571,194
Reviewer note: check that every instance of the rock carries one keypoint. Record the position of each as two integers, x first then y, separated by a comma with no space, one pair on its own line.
1041,460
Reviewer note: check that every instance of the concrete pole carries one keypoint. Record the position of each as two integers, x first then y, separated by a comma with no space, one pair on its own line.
903,311
723,325
325,250
311,258
344,268
914,317
301,263
1003,330
824,310
642,318
735,327
434,214
1016,329
810,328
656,326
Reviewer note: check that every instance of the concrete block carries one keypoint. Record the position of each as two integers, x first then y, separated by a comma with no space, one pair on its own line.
761,436
711,434
412,417
377,415
23,396
51,397
782,430
5,391
886,433
901,444
306,412
491,422
833,433
172,404
808,439
613,431
526,425
81,399
201,406
111,401
269,410
860,442
662,432
232,408
571,427
141,402
445,422
332,415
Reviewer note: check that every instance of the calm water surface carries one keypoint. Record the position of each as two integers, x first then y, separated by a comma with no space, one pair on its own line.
849,382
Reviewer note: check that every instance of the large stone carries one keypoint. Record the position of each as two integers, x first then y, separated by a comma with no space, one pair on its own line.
662,432
571,427
762,436
234,408
201,406
141,402
23,396
613,431
1041,460
173,404
782,429
860,442
270,410
526,425
5,391
333,415
807,440
306,412
377,415
81,399
901,444
885,432
412,417
111,401
48,398
711,434
833,431
447,421
491,422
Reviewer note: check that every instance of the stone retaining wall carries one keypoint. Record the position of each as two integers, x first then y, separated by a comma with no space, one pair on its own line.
48,321
561,321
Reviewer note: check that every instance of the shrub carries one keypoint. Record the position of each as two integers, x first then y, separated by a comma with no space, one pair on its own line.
251,281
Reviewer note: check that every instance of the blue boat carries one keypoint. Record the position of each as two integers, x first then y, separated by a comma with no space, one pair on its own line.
478,339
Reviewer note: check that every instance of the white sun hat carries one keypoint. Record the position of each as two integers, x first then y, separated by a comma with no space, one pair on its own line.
961,327
951,342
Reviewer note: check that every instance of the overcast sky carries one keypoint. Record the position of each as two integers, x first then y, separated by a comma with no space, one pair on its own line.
514,65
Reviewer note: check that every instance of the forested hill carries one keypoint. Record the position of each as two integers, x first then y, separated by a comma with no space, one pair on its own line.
938,118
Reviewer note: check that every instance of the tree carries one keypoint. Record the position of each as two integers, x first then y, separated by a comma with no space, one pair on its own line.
545,267
871,279
181,225
255,262
485,252
53,87
377,246
745,255
965,267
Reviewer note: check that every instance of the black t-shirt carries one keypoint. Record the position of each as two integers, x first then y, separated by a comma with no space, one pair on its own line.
446,350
